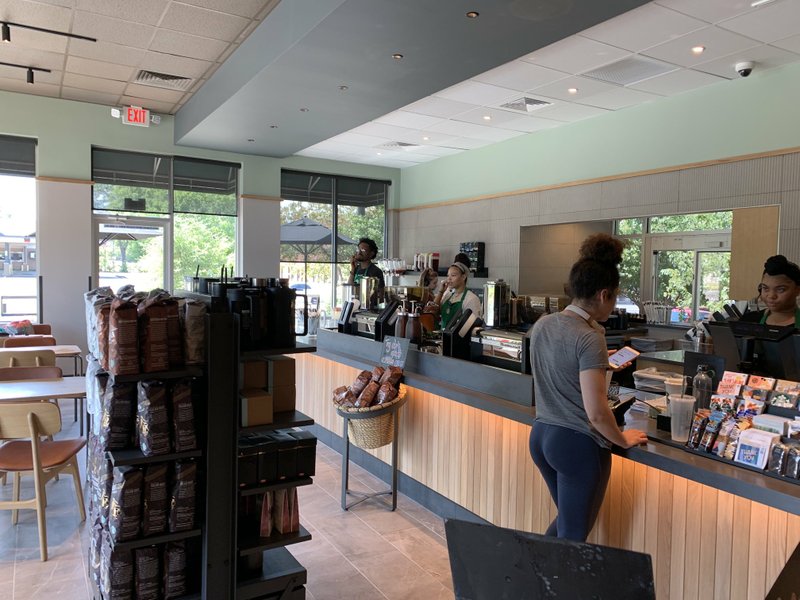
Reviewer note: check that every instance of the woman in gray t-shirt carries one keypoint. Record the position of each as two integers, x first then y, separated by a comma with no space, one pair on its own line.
574,428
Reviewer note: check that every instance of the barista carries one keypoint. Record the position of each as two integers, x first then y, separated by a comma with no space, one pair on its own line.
361,264
779,290
454,294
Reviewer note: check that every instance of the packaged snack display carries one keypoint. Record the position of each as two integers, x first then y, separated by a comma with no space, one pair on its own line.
393,375
377,373
793,462
386,393
726,404
733,439
754,447
749,408
715,421
723,436
783,399
364,378
368,396
761,383
794,429
126,504
699,422
777,458
751,393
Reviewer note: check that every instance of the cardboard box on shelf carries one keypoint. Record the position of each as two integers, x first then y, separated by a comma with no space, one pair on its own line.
283,397
280,371
254,374
257,407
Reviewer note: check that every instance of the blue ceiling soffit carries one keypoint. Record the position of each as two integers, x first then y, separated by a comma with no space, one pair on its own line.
306,49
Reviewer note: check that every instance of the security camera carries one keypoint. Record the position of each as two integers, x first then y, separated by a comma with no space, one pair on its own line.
744,68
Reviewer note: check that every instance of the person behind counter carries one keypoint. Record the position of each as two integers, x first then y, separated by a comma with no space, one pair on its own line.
454,294
574,429
361,264
779,290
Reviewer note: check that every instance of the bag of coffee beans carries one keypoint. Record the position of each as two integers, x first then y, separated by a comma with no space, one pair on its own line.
174,334
117,416
152,426
194,329
116,566
123,338
183,434
147,579
154,507
126,504
153,345
182,501
175,570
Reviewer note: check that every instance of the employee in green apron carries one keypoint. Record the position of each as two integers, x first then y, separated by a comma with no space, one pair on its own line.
455,296
361,264
779,290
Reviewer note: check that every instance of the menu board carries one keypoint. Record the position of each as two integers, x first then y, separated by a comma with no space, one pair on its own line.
395,351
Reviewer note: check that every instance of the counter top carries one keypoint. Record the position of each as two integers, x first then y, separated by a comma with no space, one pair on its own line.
674,357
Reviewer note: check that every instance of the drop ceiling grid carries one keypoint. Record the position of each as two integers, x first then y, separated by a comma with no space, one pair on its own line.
156,35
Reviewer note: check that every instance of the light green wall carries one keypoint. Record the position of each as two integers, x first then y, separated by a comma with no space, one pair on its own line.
67,130
730,118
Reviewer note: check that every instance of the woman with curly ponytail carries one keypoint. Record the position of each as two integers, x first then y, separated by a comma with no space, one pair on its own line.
779,290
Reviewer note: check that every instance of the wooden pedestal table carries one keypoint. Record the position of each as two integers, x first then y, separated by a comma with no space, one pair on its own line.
371,428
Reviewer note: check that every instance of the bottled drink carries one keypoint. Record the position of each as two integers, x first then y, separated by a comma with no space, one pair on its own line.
701,387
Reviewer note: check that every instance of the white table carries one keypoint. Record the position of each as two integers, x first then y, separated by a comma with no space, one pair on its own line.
31,390
61,351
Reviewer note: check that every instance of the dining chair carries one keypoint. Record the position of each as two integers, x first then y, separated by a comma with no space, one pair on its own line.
23,423
20,341
27,358
21,373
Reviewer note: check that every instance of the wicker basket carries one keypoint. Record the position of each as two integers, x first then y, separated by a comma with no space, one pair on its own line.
378,429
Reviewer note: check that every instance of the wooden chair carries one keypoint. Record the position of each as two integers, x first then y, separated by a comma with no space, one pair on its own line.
41,458
27,358
19,373
42,328
20,341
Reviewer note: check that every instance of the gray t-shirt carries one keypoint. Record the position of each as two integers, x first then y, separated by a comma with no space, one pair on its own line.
561,347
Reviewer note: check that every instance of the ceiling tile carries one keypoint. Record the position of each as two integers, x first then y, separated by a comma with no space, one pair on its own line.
184,44
243,8
643,27
676,82
175,65
620,97
124,55
206,23
95,68
152,93
520,75
113,30
94,84
35,58
471,130
22,86
717,42
474,92
154,105
53,78
357,139
586,87
227,52
465,143
576,54
412,120
26,38
141,11
66,3
769,23
792,43
245,33
498,116
392,132
765,57
439,107
396,163
711,11
529,124
34,13
439,151
565,111
89,96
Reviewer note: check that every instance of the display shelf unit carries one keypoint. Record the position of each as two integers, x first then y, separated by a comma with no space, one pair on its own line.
251,355
154,540
134,456
253,545
173,374
278,485
281,572
281,420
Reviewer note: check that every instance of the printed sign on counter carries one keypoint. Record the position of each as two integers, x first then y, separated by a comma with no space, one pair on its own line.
395,351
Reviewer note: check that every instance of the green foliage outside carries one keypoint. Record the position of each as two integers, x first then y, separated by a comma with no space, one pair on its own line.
630,270
714,221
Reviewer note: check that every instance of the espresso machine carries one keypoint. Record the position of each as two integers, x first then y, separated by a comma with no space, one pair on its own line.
502,342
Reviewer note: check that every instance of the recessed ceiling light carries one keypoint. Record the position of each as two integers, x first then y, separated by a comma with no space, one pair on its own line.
698,49
473,14
304,109
273,126
573,90
760,2
343,88
487,117
251,140
397,56
425,138
379,153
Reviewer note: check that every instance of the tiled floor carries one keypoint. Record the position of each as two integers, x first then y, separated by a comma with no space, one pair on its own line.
365,553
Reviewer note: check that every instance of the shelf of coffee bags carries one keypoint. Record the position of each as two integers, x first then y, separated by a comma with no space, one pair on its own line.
278,485
155,540
281,420
268,352
175,374
134,456
254,544
280,571
666,439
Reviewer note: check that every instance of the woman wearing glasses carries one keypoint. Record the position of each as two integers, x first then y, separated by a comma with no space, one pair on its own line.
779,290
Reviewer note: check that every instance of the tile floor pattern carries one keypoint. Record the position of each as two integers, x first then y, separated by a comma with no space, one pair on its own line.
366,553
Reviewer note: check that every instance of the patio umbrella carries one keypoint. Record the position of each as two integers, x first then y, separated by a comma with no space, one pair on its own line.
308,237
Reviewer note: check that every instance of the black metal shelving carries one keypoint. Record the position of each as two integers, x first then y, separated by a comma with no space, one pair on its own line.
278,485
154,540
134,456
254,545
281,420
281,572
173,374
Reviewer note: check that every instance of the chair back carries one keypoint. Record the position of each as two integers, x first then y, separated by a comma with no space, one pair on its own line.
28,419
27,358
20,341
42,328
20,373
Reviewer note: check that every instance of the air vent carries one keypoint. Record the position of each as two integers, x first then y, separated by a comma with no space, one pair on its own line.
631,70
162,80
525,104
398,146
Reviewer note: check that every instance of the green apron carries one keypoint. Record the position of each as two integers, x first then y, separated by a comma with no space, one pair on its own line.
449,309
763,320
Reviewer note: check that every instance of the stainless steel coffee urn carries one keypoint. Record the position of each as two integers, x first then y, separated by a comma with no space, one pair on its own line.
368,293
496,296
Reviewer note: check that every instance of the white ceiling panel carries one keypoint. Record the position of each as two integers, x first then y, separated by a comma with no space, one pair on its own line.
403,118
89,96
53,77
471,130
676,82
175,65
357,139
769,23
154,105
439,150
184,44
439,107
95,84
765,57
202,22
465,143
34,13
586,87
152,93
66,3
520,75
35,58
474,92
792,44
717,42
576,54
497,116
530,124
104,51
394,163
243,8
141,11
643,27
392,132
620,97
105,28
21,86
564,111
26,38
96,68
711,11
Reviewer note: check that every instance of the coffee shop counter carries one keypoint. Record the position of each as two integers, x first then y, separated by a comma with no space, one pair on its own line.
714,530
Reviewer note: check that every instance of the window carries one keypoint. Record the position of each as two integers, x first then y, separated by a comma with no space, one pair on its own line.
630,281
19,291
322,219
159,219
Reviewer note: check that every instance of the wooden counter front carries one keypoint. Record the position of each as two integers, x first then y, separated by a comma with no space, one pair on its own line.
705,543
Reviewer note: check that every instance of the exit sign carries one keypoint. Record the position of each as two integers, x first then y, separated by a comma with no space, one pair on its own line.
135,115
